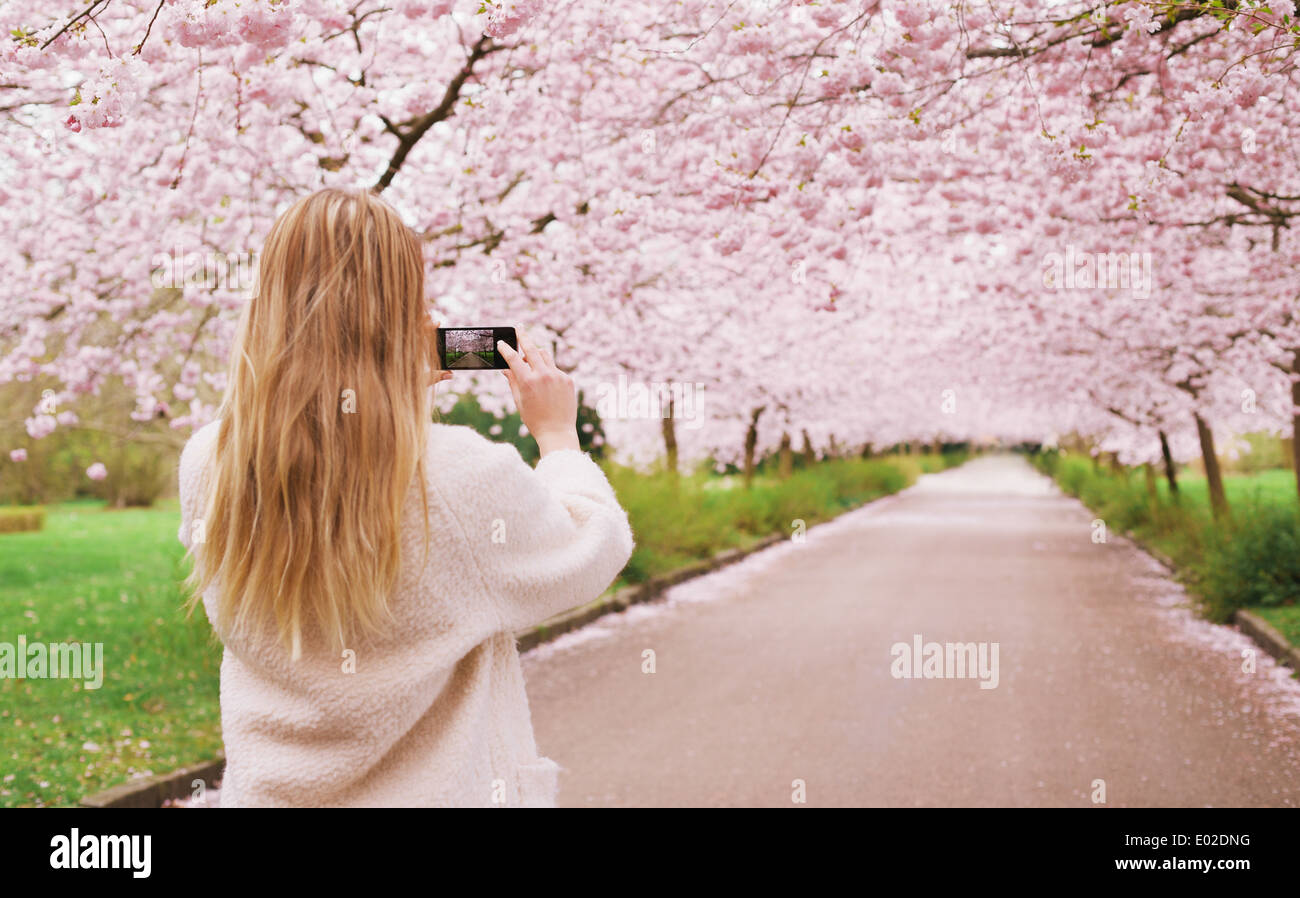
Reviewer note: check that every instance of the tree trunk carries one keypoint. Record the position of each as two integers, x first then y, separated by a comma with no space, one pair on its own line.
751,442
670,440
1213,476
809,456
868,450
1152,493
785,458
1171,473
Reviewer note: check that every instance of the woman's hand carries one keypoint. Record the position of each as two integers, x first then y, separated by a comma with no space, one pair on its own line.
545,396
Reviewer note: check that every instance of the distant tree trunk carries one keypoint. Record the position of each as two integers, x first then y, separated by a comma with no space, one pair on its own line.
1171,473
751,443
868,450
1213,476
809,456
785,458
1152,493
1116,467
670,440
833,449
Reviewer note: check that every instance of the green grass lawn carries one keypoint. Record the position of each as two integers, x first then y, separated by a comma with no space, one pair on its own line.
1276,486
94,575
1285,619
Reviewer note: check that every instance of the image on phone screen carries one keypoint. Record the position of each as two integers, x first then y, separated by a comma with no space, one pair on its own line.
469,348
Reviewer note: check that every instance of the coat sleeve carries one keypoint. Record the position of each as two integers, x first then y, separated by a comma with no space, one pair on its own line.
546,539
191,482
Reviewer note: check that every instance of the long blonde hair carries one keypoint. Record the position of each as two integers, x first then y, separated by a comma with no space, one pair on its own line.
323,426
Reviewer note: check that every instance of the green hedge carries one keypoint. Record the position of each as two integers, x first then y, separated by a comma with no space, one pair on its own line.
1253,562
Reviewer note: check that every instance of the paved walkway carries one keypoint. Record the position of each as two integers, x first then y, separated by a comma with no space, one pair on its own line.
779,669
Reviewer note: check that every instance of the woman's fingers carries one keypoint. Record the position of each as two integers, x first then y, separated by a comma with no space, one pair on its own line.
518,364
514,386
521,338
539,355
517,368
510,376
532,354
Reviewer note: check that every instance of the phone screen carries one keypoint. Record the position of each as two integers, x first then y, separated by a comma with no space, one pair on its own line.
473,348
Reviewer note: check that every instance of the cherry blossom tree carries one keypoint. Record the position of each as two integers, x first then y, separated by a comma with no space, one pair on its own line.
861,222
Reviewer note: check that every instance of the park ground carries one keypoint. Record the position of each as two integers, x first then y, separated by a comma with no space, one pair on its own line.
789,661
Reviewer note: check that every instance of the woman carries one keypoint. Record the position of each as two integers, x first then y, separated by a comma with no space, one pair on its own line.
365,568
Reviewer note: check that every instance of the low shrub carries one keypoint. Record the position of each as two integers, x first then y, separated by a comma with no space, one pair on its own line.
20,519
1253,560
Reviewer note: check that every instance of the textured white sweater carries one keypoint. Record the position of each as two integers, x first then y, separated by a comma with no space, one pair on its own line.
435,714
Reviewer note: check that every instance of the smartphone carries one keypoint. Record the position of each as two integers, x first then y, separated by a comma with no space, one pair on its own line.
473,348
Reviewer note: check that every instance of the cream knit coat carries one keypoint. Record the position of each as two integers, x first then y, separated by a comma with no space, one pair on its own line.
435,714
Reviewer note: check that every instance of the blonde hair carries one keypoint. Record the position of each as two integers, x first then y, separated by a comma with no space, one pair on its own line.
323,426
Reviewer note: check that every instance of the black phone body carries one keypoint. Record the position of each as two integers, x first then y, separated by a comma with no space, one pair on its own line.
473,348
